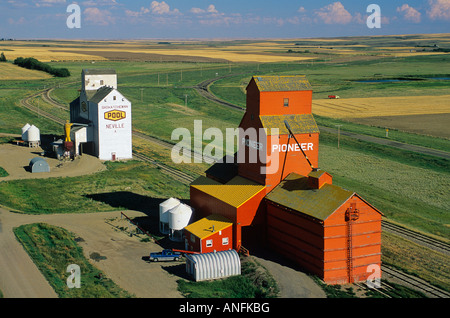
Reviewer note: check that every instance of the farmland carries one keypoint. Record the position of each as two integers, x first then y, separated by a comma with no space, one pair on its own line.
383,82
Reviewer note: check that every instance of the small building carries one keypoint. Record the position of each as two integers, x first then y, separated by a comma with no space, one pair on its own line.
38,165
211,266
327,230
213,233
238,200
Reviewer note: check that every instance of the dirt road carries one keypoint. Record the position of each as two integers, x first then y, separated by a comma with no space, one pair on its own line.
15,160
122,260
122,256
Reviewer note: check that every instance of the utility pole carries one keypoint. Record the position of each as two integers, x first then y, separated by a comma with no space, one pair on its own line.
185,99
339,133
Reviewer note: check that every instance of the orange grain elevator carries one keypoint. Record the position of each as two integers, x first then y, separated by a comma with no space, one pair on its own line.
273,184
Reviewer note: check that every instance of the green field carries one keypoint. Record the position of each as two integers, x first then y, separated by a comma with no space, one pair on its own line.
408,188
52,249
131,185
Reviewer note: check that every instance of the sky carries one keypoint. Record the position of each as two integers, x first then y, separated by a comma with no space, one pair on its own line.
217,19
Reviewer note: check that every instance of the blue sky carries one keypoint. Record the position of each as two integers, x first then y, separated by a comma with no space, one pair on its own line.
218,19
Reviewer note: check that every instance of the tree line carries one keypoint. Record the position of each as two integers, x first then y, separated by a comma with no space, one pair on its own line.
34,64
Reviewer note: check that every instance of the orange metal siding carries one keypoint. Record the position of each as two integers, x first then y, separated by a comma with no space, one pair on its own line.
217,241
272,103
323,248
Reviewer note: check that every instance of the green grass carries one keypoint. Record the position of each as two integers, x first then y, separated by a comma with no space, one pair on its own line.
52,250
380,132
13,116
416,260
3,173
415,195
130,185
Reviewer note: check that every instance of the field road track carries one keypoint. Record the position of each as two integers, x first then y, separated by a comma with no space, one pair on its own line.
390,143
416,237
177,174
414,282
203,90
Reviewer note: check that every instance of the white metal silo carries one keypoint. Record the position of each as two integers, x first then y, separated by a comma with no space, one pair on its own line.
179,218
33,136
24,132
164,215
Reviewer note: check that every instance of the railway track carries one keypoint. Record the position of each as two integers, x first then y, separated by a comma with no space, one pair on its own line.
177,174
416,237
203,89
415,283
26,103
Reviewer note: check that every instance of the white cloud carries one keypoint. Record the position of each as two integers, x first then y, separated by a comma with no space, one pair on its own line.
334,13
100,3
162,8
47,3
409,13
98,17
439,9
211,9
301,10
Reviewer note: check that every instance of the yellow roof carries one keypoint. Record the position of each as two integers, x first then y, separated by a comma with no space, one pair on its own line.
235,193
208,226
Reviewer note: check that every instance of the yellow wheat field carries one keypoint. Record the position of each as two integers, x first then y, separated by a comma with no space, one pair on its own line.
13,72
48,51
382,106
46,54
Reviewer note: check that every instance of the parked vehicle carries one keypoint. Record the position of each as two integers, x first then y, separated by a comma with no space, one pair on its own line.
165,256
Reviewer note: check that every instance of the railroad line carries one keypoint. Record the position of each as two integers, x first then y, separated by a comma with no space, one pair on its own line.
415,283
410,281
26,103
177,174
416,237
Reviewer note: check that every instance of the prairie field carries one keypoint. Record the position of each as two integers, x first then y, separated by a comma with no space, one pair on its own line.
426,115
13,72
382,106
238,51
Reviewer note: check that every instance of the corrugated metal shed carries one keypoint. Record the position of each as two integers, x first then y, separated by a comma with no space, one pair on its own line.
282,83
235,193
213,265
39,165
294,193
300,124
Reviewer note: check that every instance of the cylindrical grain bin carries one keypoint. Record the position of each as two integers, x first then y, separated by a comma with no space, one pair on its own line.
164,208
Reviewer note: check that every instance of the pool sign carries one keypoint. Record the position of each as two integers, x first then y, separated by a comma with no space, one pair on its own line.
115,115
